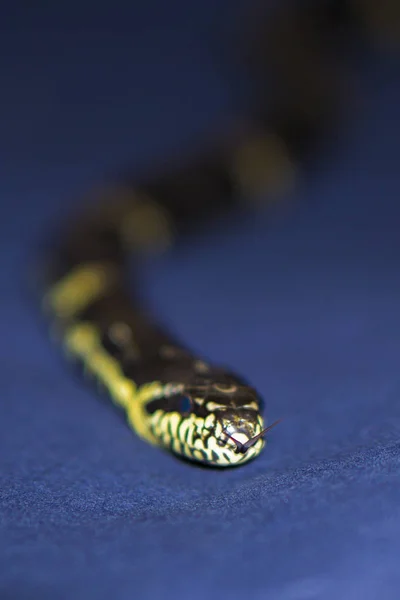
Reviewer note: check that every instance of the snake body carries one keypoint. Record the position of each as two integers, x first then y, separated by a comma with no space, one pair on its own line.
173,398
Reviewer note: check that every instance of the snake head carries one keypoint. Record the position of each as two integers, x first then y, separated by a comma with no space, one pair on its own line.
233,428
218,424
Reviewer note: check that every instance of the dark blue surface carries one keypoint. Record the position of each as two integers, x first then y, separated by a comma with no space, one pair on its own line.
306,306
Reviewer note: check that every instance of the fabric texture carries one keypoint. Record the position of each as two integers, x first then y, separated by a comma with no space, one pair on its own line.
304,302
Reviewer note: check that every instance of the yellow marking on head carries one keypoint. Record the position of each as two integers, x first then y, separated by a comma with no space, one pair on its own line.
190,430
199,455
250,406
165,437
228,458
199,423
213,406
176,445
198,400
155,418
225,389
80,288
183,429
83,340
186,450
218,430
165,425
212,445
198,443
162,426
174,420
209,421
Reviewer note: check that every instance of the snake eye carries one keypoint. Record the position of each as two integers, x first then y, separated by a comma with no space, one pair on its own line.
185,404
175,403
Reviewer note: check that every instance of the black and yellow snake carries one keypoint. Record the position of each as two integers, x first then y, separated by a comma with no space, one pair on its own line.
172,398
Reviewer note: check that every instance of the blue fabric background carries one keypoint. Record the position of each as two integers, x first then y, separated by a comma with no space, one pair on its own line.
305,304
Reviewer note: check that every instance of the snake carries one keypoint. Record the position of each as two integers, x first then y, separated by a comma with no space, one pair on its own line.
172,398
